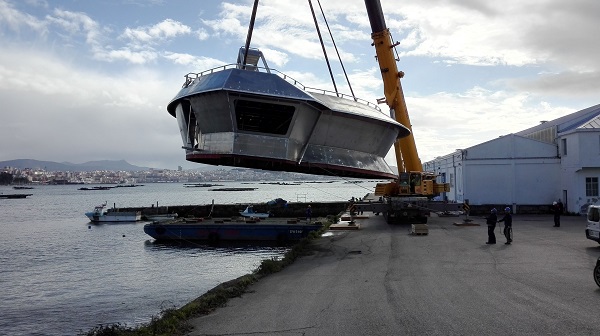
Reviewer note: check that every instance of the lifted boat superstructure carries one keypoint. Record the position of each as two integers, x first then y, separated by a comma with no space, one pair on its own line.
252,116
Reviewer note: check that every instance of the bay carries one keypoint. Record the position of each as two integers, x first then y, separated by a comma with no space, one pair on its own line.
62,275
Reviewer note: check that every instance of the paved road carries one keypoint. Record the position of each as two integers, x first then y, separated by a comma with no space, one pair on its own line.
383,281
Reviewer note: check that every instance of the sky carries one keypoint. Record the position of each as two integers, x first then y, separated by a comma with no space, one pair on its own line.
90,80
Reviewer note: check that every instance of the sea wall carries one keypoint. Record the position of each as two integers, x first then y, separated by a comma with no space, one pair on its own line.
291,210
298,210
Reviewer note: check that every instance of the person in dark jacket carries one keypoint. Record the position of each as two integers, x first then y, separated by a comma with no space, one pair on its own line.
507,219
491,224
557,209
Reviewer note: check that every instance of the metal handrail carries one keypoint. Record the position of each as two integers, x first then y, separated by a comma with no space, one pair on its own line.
190,77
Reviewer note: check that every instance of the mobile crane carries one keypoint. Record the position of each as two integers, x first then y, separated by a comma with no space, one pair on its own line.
408,197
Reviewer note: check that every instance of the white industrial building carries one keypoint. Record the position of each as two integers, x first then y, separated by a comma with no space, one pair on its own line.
558,159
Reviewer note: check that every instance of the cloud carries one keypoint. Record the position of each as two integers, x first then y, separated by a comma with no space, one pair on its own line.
76,23
60,113
475,116
279,26
513,32
38,3
193,62
14,19
126,54
161,31
565,85
275,57
202,34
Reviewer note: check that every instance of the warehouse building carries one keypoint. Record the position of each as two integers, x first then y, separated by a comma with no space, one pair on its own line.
558,159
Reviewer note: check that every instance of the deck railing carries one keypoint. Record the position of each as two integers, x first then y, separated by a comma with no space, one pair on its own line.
190,77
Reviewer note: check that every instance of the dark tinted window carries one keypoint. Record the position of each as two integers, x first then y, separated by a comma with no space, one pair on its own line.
593,215
263,117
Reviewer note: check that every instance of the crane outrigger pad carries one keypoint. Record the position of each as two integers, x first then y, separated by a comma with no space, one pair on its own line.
255,117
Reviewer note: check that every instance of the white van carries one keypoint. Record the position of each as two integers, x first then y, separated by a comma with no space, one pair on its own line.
592,231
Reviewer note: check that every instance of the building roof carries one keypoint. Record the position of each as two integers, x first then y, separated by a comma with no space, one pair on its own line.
586,118
594,123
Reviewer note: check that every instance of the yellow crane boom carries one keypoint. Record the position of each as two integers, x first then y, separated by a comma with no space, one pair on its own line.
412,180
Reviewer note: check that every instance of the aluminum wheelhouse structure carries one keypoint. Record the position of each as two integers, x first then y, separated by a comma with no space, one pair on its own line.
246,115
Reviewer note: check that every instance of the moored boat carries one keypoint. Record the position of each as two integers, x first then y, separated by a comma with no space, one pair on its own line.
249,212
214,230
101,215
14,195
95,188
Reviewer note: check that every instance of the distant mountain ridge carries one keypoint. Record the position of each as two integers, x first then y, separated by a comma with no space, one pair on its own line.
115,165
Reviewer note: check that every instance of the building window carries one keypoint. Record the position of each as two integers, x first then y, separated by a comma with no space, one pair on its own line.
564,146
591,186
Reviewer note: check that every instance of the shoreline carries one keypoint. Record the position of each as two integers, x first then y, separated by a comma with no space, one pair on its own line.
176,321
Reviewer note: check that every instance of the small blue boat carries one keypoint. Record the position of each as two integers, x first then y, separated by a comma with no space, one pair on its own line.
214,231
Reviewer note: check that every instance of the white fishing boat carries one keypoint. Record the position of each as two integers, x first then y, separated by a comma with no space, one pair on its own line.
249,212
100,215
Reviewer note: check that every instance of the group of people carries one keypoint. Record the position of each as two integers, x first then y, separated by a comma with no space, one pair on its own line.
557,209
492,220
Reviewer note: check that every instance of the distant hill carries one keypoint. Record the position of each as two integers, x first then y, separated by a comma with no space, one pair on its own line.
74,167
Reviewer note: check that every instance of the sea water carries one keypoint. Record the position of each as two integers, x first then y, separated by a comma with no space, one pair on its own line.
62,275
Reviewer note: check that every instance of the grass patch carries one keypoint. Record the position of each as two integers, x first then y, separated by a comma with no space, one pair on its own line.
174,321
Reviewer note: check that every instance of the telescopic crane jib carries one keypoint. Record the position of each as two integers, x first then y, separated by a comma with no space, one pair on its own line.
412,179
407,198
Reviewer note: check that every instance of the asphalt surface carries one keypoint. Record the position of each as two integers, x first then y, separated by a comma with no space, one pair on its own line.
381,280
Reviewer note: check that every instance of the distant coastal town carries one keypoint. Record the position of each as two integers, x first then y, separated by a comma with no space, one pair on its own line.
11,175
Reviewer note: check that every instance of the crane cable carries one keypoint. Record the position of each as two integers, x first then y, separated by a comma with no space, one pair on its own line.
336,50
323,46
334,46
251,29
249,35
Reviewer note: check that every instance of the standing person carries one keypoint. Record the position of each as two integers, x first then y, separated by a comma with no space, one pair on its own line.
561,206
491,223
557,211
507,219
561,209
308,213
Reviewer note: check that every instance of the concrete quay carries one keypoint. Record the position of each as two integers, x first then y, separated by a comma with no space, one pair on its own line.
382,280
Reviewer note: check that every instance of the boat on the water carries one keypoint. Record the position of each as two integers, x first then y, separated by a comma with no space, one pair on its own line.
249,212
14,195
95,188
249,115
278,230
101,215
22,187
